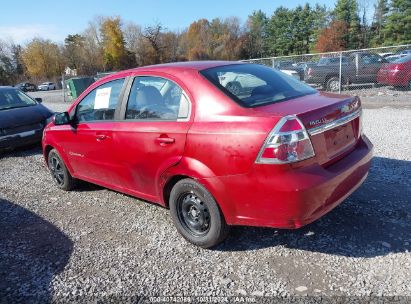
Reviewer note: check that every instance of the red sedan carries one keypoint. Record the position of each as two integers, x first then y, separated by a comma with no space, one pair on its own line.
397,73
273,152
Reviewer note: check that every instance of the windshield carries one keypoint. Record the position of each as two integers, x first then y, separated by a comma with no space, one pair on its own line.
253,85
12,98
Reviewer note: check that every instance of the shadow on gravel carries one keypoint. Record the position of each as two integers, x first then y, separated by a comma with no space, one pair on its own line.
30,150
373,221
32,251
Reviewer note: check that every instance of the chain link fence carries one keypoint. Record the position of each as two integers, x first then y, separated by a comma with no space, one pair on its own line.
349,71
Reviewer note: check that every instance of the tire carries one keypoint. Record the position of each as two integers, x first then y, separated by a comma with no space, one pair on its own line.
333,84
196,214
234,88
61,176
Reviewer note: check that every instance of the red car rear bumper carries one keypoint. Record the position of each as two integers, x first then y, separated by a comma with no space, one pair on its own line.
394,78
292,198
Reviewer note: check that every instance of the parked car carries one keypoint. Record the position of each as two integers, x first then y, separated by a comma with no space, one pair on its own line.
26,87
282,155
293,73
46,86
397,73
385,55
357,68
287,66
22,119
405,52
304,66
393,58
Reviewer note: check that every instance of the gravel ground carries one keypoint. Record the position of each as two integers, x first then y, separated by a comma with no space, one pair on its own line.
96,243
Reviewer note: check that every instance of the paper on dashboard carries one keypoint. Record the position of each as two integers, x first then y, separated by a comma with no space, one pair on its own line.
102,99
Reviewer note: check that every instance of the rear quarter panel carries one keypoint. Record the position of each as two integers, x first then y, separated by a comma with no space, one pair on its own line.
224,137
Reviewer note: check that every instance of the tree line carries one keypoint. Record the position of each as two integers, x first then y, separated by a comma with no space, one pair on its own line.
110,44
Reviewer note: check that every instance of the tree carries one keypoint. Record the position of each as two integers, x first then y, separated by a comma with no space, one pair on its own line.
18,65
256,34
280,32
6,65
320,19
397,29
93,48
347,11
153,36
332,38
198,40
74,52
171,52
42,59
115,55
381,10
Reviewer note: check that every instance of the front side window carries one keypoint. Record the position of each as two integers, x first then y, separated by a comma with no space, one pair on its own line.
253,85
101,103
156,98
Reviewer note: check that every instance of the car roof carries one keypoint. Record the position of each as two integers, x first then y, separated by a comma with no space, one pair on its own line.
184,65
173,67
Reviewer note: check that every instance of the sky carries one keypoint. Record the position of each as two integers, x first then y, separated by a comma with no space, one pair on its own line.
25,19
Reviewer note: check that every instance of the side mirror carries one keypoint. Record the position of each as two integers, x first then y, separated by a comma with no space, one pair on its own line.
38,99
61,119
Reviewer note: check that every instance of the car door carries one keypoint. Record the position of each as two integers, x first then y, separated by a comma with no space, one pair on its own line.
157,116
88,142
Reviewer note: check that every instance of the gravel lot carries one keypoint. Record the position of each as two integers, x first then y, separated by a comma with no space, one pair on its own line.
98,243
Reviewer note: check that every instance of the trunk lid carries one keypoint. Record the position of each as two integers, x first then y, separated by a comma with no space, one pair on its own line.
332,122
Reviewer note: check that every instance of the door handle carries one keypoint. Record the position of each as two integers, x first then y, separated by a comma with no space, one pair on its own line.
100,137
165,140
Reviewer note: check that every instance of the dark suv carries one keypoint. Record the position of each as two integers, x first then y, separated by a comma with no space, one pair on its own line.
26,87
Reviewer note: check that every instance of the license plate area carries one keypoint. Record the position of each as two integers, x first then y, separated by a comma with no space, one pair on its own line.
339,139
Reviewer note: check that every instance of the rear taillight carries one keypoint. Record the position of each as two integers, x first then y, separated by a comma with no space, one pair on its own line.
309,72
397,67
288,142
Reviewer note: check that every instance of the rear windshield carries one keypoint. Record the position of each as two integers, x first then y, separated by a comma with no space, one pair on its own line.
253,85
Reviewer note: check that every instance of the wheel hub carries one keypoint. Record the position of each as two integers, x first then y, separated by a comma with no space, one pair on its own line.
56,170
193,214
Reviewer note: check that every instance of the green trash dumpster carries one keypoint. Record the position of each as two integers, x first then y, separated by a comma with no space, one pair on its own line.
78,85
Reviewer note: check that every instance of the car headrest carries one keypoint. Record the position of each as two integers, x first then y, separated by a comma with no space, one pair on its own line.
264,89
148,95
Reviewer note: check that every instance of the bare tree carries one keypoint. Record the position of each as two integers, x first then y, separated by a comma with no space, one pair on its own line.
153,36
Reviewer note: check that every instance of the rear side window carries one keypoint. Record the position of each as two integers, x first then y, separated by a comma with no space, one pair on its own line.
253,85
101,103
332,60
371,58
156,98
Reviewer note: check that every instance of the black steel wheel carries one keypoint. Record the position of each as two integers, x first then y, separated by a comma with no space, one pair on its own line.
193,214
196,214
61,176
